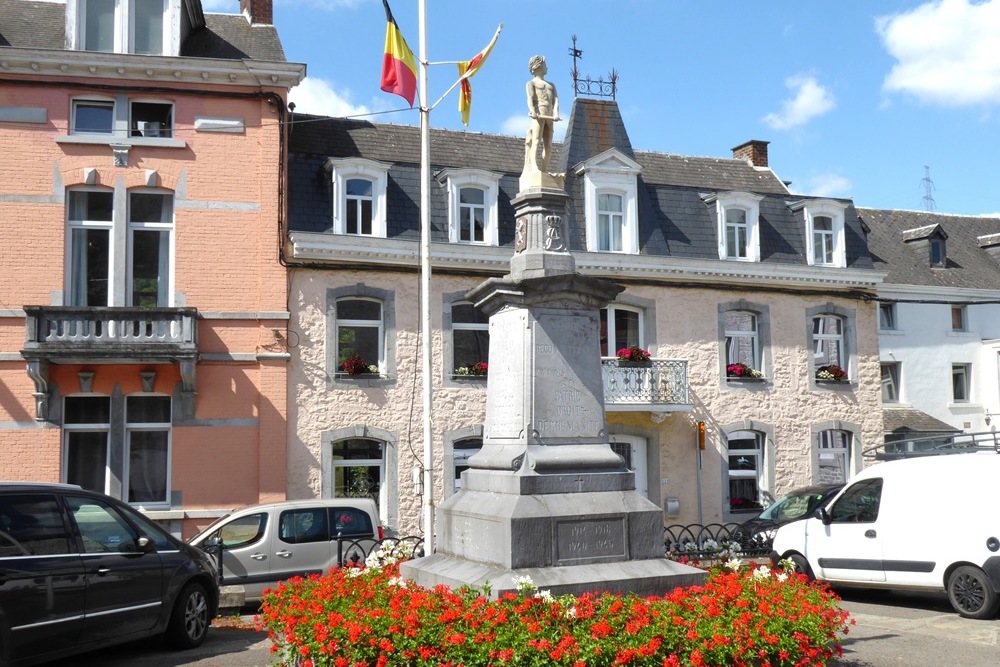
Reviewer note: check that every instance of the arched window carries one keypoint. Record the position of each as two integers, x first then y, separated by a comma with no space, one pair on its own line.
834,456
745,471
359,207
737,233
620,327
358,469
359,333
741,339
610,222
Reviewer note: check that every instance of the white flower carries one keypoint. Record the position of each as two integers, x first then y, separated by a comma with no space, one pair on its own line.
781,576
389,554
353,571
571,612
710,545
734,564
525,584
762,572
545,596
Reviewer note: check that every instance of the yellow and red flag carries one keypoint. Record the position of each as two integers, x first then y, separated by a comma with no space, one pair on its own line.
467,69
399,68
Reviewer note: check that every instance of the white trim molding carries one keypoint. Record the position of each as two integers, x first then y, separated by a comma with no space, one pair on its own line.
830,208
454,180
747,202
345,169
611,172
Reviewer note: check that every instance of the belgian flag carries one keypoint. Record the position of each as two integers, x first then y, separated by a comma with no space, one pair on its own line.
399,68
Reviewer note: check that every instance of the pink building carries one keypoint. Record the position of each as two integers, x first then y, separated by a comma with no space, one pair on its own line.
143,315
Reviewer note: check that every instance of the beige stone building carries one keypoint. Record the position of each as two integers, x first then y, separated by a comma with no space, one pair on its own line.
743,293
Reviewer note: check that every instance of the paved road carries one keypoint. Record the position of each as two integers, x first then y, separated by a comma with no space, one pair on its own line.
893,630
905,629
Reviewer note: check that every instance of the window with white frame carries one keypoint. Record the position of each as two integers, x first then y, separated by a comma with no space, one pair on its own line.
359,196
358,469
745,470
834,456
620,327
470,338
742,342
610,222
93,214
738,231
890,382
825,241
359,336
828,342
960,383
887,316
472,205
122,117
132,464
120,26
610,202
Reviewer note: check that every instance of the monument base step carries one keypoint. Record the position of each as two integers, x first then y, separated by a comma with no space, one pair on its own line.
653,576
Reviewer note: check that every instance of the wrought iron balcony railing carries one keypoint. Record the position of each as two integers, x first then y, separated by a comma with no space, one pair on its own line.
128,333
656,383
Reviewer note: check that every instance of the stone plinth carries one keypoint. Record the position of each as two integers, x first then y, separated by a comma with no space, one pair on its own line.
546,496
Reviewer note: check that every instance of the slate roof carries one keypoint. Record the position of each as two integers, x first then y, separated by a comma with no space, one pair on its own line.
41,25
908,420
968,264
673,217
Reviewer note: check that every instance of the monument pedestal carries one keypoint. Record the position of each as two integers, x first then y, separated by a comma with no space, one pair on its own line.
546,496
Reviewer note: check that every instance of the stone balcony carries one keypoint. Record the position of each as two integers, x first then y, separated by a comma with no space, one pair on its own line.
658,386
87,336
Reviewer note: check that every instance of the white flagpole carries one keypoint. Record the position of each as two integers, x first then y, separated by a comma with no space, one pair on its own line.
425,283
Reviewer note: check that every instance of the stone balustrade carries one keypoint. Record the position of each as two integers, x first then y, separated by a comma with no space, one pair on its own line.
657,382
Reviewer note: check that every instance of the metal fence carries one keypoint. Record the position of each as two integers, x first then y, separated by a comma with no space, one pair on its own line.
719,540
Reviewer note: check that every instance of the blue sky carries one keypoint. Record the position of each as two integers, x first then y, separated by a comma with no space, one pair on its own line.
856,97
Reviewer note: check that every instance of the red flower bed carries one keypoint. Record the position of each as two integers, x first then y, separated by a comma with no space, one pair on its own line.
373,618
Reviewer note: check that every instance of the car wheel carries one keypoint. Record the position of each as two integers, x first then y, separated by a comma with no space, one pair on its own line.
971,594
802,566
189,619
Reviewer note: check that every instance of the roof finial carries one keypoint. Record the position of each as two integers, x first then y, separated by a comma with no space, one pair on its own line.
593,87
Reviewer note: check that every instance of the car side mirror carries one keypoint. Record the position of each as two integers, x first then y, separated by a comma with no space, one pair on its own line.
146,545
824,516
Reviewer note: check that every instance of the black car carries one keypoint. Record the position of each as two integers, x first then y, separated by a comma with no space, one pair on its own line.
798,504
80,571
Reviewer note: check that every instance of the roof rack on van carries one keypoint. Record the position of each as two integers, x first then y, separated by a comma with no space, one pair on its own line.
960,443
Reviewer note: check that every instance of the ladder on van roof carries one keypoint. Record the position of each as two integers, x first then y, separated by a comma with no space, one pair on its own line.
959,443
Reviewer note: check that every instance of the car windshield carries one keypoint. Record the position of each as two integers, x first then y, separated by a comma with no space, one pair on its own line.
790,507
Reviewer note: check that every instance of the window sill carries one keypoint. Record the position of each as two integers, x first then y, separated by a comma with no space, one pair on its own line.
845,383
468,378
745,380
111,140
359,376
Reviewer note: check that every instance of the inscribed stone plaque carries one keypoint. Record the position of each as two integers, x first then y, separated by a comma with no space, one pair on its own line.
505,398
568,393
586,539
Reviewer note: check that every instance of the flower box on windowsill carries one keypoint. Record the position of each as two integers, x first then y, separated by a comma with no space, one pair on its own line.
468,377
359,376
845,381
745,379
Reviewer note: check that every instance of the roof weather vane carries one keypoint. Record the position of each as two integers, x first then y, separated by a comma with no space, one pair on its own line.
592,87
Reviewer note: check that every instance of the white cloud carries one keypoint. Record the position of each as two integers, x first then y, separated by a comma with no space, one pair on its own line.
828,185
809,100
518,126
946,52
317,96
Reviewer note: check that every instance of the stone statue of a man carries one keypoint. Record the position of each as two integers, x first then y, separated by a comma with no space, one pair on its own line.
543,109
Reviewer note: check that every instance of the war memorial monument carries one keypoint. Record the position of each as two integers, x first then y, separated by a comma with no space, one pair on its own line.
546,496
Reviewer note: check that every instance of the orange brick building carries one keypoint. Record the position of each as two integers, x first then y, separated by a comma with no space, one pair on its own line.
143,315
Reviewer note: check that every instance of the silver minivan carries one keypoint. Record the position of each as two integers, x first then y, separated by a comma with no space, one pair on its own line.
264,544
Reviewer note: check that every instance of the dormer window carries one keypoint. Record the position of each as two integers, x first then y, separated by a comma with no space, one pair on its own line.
359,187
119,26
938,255
824,229
472,205
930,239
738,221
610,202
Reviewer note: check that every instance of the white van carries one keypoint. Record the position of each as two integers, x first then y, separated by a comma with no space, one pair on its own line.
265,544
928,523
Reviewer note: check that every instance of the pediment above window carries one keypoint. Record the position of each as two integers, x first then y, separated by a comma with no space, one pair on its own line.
611,161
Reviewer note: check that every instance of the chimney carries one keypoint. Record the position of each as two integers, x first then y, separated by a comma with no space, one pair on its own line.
258,12
753,151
